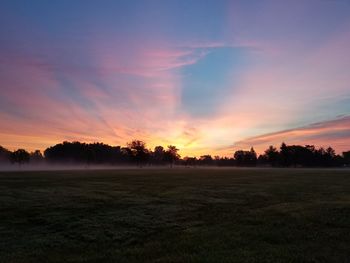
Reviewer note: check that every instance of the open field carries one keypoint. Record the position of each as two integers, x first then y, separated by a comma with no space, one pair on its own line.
175,215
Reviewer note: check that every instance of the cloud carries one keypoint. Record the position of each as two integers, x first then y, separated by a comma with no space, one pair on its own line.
334,132
113,98
126,80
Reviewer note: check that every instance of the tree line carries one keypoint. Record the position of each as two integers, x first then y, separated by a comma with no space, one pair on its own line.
136,153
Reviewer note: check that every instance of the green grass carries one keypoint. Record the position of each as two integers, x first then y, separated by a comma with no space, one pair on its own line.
175,215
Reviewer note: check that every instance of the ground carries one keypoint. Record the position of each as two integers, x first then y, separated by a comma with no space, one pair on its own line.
175,215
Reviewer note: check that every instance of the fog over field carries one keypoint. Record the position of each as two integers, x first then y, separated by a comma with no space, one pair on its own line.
87,168
60,167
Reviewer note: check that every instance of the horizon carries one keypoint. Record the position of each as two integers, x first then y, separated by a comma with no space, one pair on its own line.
151,150
209,78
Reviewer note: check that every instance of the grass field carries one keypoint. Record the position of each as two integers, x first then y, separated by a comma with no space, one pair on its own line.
175,215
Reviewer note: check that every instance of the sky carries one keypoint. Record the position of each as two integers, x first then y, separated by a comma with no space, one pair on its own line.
207,76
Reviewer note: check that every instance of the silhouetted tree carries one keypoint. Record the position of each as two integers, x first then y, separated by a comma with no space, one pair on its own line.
20,156
139,152
206,160
100,153
190,161
346,157
158,155
4,155
330,157
225,161
246,158
284,155
240,157
272,156
36,157
68,152
297,155
253,157
171,155
126,155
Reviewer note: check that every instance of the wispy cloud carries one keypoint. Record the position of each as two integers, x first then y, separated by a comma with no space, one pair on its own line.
175,77
334,132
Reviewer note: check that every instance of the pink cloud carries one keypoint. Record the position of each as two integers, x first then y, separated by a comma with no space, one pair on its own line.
335,133
133,90
123,110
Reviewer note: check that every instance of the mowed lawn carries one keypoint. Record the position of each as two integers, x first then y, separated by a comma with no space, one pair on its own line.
175,215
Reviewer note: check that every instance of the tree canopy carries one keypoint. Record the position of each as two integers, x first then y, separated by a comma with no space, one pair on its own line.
137,153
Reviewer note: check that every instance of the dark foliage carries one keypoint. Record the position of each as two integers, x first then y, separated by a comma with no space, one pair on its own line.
137,153
36,157
171,155
346,156
246,158
20,156
4,155
301,156
94,153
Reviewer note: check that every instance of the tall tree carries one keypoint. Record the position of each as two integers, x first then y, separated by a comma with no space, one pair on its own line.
285,155
346,156
158,155
245,158
272,156
20,156
36,157
139,151
4,155
171,155
252,157
206,159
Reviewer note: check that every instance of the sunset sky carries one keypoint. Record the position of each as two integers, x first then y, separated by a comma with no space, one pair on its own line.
207,76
